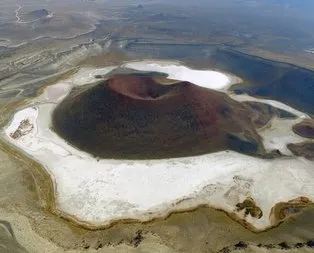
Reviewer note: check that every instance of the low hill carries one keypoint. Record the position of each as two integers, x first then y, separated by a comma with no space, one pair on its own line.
134,116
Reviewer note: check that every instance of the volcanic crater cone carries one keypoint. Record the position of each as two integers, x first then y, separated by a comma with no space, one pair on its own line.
135,117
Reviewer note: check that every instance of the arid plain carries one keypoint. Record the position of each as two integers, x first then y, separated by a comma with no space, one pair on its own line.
46,44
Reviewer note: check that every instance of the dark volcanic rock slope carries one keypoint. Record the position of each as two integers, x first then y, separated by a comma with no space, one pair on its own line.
134,117
305,149
305,128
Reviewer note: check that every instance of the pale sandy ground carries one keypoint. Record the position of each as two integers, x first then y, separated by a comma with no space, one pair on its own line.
34,243
252,249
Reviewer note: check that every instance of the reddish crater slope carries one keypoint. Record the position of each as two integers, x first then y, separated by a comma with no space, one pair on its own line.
135,117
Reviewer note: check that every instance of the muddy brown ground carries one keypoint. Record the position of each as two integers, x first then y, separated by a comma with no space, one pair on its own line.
305,128
305,149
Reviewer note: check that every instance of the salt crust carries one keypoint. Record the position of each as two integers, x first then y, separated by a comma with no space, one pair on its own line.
204,78
98,192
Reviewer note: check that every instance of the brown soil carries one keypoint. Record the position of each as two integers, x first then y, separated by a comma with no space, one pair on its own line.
134,116
283,210
305,149
305,128
250,208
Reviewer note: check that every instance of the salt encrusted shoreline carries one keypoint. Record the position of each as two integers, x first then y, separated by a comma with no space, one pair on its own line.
98,192
175,71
